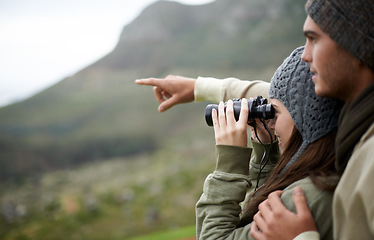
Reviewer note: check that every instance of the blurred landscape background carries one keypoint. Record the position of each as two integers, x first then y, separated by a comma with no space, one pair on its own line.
91,158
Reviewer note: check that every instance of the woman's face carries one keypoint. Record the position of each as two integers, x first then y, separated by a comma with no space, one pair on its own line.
282,123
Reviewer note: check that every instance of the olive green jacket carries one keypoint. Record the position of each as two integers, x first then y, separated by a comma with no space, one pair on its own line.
354,198
218,209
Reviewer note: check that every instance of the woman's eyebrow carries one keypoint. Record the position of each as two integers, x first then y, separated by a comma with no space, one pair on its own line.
275,106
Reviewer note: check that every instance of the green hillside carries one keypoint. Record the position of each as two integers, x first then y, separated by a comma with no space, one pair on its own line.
97,136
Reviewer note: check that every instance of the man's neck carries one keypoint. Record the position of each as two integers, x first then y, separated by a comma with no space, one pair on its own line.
364,80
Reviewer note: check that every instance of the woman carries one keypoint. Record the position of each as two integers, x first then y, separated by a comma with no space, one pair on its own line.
305,126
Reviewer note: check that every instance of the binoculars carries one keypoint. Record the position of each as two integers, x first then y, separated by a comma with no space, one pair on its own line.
258,108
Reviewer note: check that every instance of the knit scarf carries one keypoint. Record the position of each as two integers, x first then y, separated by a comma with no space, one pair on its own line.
354,120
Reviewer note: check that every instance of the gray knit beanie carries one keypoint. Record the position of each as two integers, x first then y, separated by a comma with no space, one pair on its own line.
313,116
350,23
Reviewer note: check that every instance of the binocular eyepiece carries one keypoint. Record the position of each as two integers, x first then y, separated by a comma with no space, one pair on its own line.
258,108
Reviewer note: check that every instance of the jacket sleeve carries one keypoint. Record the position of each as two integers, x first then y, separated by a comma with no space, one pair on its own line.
218,209
310,235
216,90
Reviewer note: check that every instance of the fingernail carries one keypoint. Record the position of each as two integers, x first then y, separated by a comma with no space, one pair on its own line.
298,191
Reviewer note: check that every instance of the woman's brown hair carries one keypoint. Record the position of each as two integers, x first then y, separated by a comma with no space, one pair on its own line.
317,162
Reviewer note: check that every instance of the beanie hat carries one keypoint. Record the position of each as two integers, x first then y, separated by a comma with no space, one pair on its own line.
350,23
313,116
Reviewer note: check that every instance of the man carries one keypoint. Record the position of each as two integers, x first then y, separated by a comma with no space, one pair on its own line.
340,51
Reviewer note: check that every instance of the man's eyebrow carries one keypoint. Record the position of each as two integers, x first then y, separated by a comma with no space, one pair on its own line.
309,33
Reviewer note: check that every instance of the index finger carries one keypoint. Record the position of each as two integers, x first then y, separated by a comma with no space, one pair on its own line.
149,81
276,204
274,200
271,205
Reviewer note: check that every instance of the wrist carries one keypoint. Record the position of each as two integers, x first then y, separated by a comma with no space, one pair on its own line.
233,159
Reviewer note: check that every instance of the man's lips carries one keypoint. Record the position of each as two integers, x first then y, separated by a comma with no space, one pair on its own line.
314,74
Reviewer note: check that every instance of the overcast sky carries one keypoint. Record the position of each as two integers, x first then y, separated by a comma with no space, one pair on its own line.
43,41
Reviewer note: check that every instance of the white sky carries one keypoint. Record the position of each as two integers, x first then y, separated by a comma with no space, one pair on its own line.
43,41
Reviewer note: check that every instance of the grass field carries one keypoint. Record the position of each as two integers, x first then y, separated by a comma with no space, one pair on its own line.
113,199
185,233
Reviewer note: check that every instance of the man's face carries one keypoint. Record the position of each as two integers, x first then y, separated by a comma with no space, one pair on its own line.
335,69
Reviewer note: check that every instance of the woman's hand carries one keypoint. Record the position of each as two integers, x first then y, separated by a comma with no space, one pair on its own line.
227,130
262,133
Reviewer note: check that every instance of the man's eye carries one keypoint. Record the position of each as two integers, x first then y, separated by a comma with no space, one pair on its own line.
311,39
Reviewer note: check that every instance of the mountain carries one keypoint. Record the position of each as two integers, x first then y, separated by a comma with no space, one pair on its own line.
221,34
100,113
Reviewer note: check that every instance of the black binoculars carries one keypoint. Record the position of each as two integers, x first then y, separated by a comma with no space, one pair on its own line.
258,108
